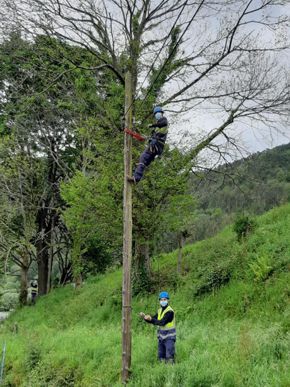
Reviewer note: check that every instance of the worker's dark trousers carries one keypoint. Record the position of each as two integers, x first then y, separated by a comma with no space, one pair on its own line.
148,156
166,349
145,159
33,298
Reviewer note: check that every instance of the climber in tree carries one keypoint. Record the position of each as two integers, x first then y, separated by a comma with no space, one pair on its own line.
155,146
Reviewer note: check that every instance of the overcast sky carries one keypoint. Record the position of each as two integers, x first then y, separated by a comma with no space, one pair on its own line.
252,136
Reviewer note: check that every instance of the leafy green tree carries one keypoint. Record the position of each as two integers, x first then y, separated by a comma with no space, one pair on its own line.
94,220
40,108
243,226
17,213
164,181
94,194
178,218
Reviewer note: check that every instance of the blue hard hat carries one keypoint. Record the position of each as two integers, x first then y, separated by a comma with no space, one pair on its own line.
157,109
164,295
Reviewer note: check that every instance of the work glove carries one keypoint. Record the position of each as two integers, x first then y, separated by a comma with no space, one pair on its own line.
153,145
148,317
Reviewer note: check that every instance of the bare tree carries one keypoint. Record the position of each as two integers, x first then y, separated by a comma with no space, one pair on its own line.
227,50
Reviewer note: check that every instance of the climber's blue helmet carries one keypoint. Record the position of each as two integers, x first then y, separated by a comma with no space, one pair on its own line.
157,109
163,295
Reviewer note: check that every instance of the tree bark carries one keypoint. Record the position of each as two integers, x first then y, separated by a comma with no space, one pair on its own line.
46,219
23,284
127,237
147,262
77,266
142,267
42,259
181,243
50,257
42,249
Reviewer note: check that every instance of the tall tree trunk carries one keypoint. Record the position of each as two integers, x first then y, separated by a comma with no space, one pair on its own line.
181,243
77,266
50,259
142,258
23,284
78,281
42,259
147,261
42,248
46,219
142,267
127,238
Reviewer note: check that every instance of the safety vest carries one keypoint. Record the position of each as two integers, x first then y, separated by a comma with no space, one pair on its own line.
167,330
34,290
163,128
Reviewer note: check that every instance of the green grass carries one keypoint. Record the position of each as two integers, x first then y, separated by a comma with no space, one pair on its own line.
232,311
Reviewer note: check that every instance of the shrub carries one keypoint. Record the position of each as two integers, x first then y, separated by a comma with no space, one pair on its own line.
33,357
261,268
243,226
213,280
9,301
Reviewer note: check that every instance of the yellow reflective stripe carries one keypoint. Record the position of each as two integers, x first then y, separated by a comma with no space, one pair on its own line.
161,312
163,130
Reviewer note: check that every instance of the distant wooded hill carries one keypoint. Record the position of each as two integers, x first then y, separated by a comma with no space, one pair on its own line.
250,186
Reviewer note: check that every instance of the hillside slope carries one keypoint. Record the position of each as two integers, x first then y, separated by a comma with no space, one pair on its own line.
252,185
255,184
233,320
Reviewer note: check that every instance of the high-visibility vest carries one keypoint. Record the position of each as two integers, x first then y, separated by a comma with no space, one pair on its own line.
167,330
34,290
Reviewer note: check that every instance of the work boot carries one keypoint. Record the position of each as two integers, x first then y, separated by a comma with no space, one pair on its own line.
131,179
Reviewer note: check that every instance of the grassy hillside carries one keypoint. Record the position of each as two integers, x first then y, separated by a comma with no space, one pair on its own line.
255,184
252,185
233,320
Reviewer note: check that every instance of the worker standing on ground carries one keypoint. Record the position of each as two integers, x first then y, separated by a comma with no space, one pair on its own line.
155,147
34,291
166,333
